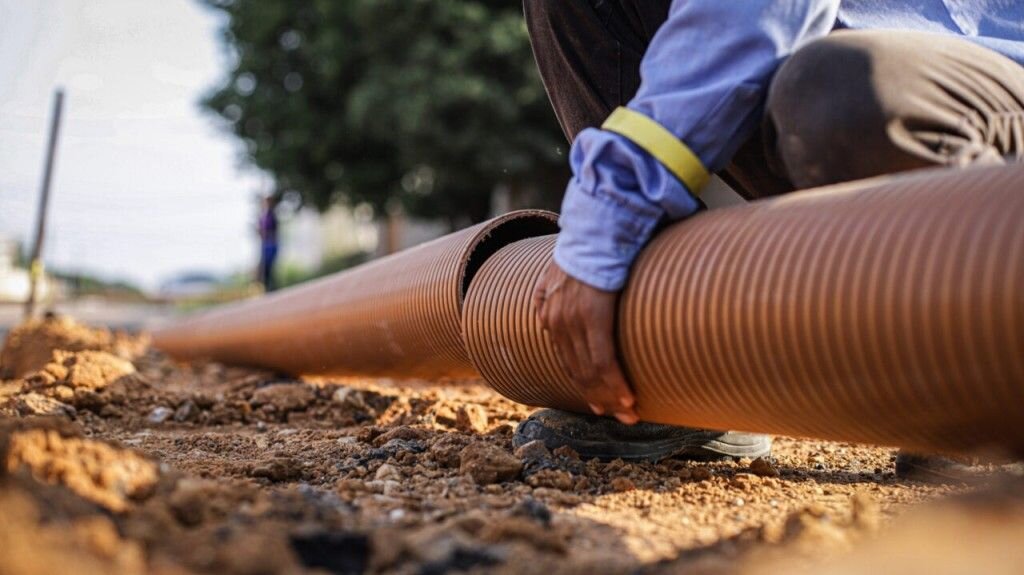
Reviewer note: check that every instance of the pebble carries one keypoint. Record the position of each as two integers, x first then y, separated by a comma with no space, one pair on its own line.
533,451
285,396
763,468
621,484
349,396
387,471
187,411
553,478
486,463
471,418
37,404
700,474
159,414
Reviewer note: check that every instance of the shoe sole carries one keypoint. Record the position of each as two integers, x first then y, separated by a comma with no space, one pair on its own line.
704,445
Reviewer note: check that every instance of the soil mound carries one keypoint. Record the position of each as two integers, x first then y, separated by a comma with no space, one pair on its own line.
30,346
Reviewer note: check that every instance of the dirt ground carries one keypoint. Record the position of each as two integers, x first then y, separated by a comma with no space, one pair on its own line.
114,458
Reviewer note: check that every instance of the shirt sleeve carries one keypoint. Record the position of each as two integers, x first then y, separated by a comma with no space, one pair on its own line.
704,78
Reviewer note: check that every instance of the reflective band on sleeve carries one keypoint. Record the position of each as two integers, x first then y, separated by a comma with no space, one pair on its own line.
661,144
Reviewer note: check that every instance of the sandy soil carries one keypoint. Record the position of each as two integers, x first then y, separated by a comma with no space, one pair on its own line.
115,459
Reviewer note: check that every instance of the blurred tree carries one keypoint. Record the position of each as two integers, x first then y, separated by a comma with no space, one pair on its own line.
430,103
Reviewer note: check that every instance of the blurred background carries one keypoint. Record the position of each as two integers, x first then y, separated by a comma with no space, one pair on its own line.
373,125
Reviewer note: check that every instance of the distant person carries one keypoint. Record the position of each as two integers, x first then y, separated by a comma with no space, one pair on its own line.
268,242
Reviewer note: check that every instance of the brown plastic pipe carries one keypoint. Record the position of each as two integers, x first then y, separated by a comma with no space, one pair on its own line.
397,316
889,311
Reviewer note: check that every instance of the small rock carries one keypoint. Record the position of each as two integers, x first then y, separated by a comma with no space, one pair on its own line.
387,471
159,414
397,447
486,463
621,484
700,474
37,404
403,432
291,396
533,451
553,478
763,468
471,418
744,481
187,411
445,415
445,451
350,397
279,469
63,393
392,488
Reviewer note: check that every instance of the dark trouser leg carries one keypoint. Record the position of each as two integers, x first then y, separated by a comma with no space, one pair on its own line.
267,257
858,104
588,53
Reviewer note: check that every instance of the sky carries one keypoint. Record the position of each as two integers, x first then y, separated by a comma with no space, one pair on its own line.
146,184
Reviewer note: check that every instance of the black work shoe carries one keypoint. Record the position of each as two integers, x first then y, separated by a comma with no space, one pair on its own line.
606,438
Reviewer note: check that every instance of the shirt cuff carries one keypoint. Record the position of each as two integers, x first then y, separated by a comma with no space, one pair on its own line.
600,239
615,200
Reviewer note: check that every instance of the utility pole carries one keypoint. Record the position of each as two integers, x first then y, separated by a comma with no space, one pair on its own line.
35,273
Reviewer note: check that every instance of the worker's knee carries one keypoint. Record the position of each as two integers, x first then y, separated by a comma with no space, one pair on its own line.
830,105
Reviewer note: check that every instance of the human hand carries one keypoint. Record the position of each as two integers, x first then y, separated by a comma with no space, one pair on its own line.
581,322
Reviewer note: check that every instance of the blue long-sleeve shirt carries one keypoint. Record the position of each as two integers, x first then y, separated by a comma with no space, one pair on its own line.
704,78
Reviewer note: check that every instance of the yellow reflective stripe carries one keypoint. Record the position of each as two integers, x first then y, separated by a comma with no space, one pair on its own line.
660,143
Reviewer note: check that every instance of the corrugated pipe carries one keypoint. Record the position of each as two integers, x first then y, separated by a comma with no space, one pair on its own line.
397,316
889,311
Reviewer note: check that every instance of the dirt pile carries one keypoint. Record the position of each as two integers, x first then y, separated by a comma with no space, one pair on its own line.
30,346
58,455
146,465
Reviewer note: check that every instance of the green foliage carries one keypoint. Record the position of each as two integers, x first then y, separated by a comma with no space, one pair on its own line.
87,285
290,275
428,102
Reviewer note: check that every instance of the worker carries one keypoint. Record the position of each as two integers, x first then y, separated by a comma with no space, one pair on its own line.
267,227
772,95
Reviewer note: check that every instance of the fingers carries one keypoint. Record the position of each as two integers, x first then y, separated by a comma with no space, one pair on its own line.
615,391
580,322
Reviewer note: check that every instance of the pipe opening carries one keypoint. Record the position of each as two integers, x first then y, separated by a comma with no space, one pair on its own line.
505,231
